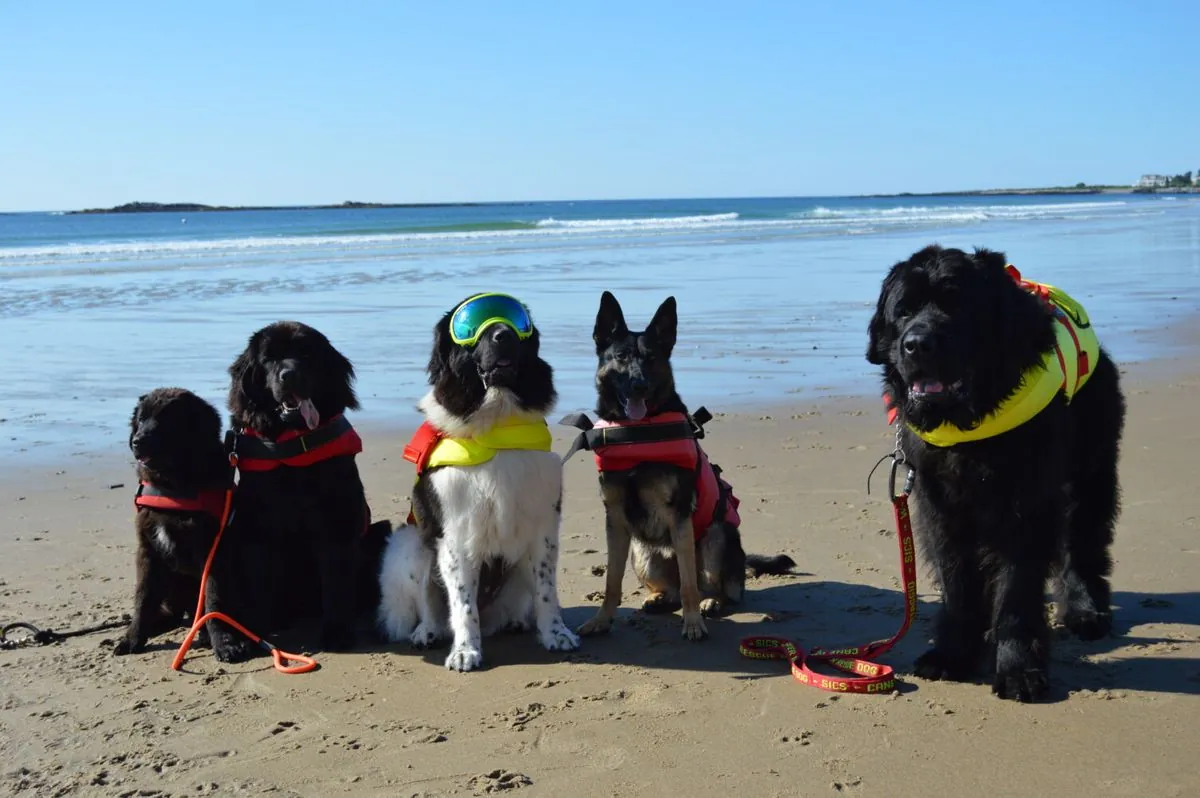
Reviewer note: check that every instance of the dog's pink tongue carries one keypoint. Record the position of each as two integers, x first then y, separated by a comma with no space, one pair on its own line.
309,413
635,409
928,386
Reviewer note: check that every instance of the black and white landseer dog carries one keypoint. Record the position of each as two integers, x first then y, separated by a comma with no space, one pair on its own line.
183,476
300,498
481,552
1016,477
663,499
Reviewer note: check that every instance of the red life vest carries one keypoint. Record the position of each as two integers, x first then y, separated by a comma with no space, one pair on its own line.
666,438
335,438
204,501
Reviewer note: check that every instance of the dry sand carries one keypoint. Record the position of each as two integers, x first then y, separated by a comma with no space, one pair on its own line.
640,712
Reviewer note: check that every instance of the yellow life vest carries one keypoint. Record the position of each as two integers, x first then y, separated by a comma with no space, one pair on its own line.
1065,368
510,433
430,448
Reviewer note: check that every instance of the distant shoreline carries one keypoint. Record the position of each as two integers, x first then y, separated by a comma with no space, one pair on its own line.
1010,192
193,207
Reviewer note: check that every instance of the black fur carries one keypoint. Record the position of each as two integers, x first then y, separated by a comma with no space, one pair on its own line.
308,522
461,375
176,438
634,369
997,517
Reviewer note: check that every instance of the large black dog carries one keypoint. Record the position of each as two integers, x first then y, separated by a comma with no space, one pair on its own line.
959,339
299,489
184,478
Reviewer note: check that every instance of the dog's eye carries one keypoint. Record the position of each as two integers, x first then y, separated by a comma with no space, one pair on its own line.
948,300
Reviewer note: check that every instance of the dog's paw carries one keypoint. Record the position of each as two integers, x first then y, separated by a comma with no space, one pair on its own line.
126,646
659,603
337,638
558,637
598,624
1020,671
711,607
693,627
424,636
1024,686
937,665
1088,624
234,650
463,659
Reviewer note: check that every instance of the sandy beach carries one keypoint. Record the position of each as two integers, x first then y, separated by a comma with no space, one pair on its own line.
640,712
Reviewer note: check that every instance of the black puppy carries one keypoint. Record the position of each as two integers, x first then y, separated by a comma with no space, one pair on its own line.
299,491
184,474
1016,477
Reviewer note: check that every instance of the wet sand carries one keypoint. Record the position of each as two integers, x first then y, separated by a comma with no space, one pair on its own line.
640,712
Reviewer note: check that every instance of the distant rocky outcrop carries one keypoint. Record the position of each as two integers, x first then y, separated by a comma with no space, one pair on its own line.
195,207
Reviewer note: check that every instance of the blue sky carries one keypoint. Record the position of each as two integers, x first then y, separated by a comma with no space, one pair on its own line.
314,102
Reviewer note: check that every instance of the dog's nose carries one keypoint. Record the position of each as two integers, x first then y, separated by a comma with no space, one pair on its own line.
637,384
502,334
287,377
917,342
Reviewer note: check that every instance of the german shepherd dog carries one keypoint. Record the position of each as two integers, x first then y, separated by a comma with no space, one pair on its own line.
649,508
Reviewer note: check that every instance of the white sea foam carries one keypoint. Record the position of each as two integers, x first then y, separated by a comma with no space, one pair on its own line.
819,220
669,222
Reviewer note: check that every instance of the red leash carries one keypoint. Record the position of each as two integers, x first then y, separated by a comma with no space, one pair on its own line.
281,658
862,675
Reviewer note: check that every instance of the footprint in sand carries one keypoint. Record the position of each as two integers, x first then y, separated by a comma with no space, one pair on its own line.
498,780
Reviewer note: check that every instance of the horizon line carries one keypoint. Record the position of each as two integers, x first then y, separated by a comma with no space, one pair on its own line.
451,203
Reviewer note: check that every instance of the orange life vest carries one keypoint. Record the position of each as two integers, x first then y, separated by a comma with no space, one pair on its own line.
668,438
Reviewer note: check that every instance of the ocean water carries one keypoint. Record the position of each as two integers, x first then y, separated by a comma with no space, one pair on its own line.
774,294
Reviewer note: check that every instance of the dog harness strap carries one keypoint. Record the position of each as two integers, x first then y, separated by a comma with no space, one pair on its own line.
861,675
668,438
157,498
334,439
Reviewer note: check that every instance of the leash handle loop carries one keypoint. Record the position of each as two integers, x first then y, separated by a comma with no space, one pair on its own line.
862,675
280,658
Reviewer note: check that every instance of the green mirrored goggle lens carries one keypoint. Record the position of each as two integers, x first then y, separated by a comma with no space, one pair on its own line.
481,312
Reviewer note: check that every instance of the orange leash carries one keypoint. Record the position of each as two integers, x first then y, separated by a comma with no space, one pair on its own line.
862,676
281,658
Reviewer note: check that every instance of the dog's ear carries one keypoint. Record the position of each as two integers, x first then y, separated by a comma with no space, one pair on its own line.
207,426
245,377
1024,322
133,417
610,322
664,325
877,330
439,358
341,371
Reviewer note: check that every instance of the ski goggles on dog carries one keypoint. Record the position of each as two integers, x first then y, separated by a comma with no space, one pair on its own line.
481,311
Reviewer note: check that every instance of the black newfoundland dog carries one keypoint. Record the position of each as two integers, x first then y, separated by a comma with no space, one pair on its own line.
960,338
299,492
184,475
